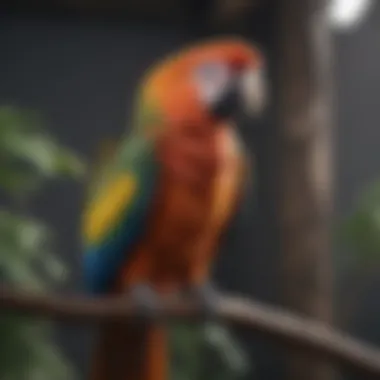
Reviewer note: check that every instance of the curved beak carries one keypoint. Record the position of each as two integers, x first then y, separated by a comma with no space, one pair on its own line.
253,91
246,92
229,100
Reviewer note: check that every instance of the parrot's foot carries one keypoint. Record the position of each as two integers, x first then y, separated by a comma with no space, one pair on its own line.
208,298
147,301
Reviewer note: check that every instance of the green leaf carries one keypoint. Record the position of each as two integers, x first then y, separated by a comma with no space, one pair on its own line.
22,275
26,352
227,347
360,231
20,142
45,156
68,164
55,269
19,120
19,182
22,236
205,351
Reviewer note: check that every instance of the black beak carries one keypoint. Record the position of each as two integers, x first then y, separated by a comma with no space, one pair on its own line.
228,104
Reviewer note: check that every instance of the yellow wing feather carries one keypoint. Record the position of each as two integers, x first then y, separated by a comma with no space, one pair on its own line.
106,208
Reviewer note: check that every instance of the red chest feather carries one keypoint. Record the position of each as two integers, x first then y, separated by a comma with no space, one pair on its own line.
190,162
201,171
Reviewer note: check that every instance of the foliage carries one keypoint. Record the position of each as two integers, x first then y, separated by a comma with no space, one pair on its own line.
206,352
358,256
29,157
360,231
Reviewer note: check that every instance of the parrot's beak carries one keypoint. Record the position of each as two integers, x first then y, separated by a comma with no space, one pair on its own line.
246,92
253,91
228,101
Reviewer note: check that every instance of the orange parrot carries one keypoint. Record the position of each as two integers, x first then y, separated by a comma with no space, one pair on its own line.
153,222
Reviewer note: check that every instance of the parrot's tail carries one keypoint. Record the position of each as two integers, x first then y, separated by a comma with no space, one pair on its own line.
130,352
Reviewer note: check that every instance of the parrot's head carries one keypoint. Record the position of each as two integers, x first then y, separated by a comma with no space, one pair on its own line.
216,78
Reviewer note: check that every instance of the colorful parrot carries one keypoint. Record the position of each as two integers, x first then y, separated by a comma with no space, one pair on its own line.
153,221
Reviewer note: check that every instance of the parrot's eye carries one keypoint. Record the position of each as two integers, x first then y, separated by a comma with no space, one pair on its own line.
211,78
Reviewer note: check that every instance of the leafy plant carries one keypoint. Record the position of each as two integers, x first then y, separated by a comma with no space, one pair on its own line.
358,254
206,352
360,231
28,158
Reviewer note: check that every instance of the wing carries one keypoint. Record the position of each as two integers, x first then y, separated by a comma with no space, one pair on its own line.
116,213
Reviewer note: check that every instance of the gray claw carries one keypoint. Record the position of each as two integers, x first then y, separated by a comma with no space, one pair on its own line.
208,297
147,301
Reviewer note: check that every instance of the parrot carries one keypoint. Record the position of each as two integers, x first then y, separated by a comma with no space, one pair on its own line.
153,220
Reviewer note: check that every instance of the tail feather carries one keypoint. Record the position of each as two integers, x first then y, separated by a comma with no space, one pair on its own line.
130,352
157,367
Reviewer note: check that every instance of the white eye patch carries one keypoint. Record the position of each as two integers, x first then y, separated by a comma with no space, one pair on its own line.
211,79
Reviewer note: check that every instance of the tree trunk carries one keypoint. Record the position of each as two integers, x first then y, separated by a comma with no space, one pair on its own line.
305,183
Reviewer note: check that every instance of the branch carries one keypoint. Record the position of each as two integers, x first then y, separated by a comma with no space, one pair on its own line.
271,322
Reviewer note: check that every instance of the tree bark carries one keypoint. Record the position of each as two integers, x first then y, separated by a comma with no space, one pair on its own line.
305,183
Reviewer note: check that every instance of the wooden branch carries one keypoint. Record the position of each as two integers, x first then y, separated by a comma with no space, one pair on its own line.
273,323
